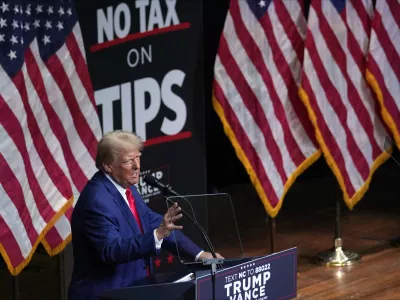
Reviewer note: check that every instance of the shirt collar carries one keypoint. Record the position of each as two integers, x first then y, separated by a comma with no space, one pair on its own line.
120,189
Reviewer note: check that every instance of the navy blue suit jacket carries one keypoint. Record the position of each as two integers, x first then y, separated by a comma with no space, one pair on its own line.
109,249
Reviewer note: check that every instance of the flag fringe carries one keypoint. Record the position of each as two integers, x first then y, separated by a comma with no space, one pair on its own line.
59,248
350,201
272,211
16,270
387,118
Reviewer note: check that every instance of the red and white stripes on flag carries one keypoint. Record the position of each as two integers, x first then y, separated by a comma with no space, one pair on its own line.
257,74
49,130
83,138
340,103
383,72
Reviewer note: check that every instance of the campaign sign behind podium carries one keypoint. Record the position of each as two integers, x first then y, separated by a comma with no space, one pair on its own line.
269,277
145,59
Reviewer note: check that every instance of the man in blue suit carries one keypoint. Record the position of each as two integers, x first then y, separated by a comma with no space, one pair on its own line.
114,233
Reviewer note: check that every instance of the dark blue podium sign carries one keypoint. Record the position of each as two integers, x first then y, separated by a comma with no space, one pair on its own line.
270,277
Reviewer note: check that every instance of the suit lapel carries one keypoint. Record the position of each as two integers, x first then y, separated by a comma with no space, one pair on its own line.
120,203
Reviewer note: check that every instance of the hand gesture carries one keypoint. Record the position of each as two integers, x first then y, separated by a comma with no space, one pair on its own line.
167,225
208,255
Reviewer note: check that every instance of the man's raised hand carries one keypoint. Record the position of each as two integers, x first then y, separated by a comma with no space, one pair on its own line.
168,224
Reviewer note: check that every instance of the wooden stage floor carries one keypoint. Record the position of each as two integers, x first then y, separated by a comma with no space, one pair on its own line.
376,276
367,230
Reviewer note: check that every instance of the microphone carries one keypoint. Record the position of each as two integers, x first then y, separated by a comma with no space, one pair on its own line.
152,181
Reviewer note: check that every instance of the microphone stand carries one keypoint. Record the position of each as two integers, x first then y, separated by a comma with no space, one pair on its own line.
213,262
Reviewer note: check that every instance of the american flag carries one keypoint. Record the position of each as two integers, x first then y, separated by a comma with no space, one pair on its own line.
342,108
383,72
49,125
257,75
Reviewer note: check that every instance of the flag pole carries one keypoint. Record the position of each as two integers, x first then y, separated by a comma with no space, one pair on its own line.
61,275
337,256
271,223
389,145
15,281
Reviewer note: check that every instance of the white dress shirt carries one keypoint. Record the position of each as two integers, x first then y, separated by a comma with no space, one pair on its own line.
122,190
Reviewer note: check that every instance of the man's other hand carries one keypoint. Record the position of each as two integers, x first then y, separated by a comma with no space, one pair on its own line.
208,255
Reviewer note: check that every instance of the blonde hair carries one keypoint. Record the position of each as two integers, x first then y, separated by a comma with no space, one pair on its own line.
111,144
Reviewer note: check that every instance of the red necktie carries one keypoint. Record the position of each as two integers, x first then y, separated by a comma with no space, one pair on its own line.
135,213
132,206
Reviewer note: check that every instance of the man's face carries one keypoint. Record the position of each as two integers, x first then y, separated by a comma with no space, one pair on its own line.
126,168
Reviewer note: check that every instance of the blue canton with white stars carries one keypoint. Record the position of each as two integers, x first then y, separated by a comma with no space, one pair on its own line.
258,7
50,22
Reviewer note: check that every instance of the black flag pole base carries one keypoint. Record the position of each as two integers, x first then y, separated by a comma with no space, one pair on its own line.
337,256
395,242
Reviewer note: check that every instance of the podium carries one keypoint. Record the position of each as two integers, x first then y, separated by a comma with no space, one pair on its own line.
268,277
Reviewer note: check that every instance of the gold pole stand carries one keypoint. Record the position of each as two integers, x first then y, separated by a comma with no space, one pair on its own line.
337,256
